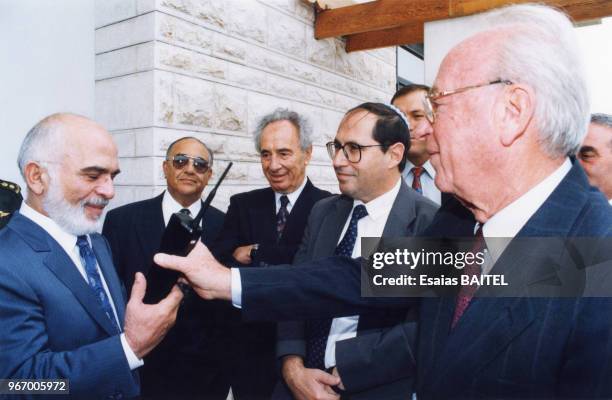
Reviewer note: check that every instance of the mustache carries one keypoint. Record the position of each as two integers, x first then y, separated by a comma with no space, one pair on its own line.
96,201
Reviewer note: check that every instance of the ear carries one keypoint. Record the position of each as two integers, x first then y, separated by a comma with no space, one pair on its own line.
166,168
36,178
515,113
308,154
395,153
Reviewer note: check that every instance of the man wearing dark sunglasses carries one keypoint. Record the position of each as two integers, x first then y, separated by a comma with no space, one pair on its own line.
190,361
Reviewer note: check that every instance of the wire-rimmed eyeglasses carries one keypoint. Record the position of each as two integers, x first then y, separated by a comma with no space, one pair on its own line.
429,101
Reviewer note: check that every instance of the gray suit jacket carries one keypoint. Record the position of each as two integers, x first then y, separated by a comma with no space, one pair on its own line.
410,214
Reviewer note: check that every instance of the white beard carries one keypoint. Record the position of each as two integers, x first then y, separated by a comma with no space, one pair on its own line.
71,218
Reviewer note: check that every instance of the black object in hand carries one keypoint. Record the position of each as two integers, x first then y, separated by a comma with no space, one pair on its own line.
180,236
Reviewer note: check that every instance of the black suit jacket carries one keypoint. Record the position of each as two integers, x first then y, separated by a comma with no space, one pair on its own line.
134,232
520,347
251,218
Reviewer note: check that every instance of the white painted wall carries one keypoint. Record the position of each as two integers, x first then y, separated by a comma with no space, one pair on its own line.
46,66
410,67
441,36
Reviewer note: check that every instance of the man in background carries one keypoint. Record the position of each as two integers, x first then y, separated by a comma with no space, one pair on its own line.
187,363
62,307
419,173
265,227
595,155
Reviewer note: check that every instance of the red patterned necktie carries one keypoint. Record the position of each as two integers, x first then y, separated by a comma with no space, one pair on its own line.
466,293
416,180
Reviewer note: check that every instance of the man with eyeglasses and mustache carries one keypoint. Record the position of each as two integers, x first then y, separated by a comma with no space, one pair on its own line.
62,308
186,362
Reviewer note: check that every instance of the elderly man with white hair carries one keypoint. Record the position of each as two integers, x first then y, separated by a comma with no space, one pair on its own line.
509,104
62,307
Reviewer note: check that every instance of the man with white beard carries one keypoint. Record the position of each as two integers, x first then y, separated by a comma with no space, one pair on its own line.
62,308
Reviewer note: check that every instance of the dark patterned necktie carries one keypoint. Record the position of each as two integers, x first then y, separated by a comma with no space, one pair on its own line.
416,179
281,217
185,211
317,331
88,259
466,292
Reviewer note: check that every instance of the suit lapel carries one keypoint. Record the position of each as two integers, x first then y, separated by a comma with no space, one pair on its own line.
401,215
263,218
332,226
486,329
297,217
64,269
110,276
149,230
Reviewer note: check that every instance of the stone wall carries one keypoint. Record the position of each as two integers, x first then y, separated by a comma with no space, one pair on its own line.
210,69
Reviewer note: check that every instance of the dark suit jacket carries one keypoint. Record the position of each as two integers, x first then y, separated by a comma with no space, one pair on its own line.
52,325
251,218
189,355
502,347
410,213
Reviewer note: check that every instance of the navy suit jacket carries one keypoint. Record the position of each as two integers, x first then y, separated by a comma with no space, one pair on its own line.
502,347
51,323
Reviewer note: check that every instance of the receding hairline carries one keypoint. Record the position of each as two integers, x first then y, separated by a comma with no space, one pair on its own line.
193,139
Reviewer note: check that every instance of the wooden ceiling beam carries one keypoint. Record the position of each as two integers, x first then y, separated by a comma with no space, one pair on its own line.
388,14
407,34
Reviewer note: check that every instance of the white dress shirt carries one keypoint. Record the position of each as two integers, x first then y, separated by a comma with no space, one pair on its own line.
67,241
507,222
371,225
427,181
171,206
292,197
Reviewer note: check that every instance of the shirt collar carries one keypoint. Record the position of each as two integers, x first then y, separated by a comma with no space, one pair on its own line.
510,220
171,206
381,206
427,167
65,239
293,196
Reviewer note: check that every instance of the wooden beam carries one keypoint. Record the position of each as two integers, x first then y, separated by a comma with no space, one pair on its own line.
386,14
407,34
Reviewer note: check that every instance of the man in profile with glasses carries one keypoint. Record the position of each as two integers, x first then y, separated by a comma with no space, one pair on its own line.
368,153
186,362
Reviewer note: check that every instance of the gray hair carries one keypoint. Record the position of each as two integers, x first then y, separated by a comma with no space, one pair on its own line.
602,119
282,114
542,52
210,153
43,143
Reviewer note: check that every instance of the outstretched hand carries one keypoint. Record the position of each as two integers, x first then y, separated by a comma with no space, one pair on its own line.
208,278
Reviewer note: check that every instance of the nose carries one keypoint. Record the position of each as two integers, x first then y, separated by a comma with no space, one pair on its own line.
422,130
275,163
106,189
339,159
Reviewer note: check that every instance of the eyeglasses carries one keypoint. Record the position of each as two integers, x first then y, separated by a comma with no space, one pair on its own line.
429,101
180,161
352,151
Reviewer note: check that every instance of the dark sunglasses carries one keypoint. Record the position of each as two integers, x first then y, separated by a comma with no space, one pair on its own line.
180,161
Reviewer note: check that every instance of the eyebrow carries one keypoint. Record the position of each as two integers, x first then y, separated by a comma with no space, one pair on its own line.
100,170
587,148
